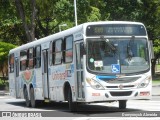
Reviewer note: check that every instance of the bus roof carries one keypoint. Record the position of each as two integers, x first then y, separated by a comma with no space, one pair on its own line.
79,28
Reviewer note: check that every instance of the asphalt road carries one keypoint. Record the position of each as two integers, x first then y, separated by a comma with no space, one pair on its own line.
102,111
8,103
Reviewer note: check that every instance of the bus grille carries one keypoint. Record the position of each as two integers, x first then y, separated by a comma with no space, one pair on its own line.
125,86
120,80
124,93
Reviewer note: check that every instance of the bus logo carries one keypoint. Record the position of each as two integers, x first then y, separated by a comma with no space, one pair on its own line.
120,86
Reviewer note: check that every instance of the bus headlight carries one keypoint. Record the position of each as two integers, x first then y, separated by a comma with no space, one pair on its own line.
145,82
94,84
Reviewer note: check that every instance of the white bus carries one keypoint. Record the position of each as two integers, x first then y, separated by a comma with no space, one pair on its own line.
93,62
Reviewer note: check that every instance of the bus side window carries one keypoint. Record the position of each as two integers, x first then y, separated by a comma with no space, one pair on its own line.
80,51
57,52
23,60
68,49
37,57
11,63
30,58
50,54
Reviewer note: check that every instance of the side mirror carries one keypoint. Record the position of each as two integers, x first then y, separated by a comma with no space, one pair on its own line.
151,51
82,48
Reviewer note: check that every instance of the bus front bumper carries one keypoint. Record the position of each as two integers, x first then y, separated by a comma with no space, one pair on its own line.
114,95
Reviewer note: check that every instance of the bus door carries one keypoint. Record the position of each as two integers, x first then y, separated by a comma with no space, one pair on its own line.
79,69
45,80
17,80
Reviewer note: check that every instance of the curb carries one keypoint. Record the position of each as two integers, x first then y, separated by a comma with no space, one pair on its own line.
155,85
4,93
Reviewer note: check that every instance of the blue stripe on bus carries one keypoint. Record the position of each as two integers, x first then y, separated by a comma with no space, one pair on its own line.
106,77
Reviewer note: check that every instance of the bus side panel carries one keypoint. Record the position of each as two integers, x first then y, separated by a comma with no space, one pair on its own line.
59,75
12,85
32,77
56,82
53,87
38,85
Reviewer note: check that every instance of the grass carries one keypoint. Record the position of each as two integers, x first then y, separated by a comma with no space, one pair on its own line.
4,85
1,82
156,77
157,67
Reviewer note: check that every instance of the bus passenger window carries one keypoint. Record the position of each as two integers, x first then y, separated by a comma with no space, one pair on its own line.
38,57
11,63
23,60
31,60
68,49
57,52
50,54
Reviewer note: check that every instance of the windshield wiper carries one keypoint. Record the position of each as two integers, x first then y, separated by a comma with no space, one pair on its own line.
129,51
112,47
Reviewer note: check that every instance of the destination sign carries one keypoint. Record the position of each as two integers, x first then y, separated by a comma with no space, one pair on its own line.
116,30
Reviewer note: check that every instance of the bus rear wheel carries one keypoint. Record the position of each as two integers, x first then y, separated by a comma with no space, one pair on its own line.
72,105
122,104
28,102
32,97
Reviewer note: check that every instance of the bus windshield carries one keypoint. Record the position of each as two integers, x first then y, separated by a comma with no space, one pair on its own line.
126,55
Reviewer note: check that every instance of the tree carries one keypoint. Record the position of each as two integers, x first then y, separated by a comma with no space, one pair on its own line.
10,26
4,51
28,22
156,54
52,13
145,11
152,20
40,18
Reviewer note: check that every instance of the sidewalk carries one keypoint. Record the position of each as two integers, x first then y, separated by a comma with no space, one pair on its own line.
4,92
156,89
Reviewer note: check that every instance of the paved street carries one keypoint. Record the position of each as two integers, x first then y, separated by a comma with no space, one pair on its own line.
85,112
8,103
156,90
89,111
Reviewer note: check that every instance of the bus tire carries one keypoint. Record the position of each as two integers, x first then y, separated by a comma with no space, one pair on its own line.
122,104
72,105
27,101
32,97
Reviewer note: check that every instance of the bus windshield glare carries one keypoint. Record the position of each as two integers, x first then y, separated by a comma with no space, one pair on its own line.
130,55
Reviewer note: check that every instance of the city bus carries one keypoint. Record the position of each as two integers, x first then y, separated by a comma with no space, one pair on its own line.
93,62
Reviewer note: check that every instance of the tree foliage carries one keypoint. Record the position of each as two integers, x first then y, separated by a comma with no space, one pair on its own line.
52,13
23,21
11,30
4,51
27,13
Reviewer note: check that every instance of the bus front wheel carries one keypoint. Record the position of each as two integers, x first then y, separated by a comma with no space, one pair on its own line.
72,105
122,104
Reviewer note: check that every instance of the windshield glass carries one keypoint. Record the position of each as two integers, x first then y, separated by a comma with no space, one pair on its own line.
129,55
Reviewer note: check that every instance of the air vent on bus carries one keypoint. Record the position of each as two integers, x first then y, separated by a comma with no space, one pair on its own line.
125,86
120,80
124,93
